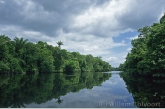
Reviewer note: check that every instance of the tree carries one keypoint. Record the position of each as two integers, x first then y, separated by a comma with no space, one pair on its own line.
59,44
19,43
4,49
71,66
31,57
19,56
45,60
147,56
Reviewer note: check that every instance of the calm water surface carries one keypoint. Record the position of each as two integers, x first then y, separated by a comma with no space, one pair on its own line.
79,90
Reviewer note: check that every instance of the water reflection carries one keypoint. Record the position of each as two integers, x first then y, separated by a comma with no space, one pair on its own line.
111,93
27,90
146,91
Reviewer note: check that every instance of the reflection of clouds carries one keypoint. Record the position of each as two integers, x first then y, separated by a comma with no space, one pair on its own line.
111,82
114,80
113,72
111,90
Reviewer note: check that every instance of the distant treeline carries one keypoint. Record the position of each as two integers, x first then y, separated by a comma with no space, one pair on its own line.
21,56
147,56
120,68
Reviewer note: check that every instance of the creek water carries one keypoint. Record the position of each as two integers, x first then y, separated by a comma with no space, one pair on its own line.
78,90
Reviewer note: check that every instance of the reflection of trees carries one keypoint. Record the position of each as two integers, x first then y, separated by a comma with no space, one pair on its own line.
59,101
146,90
16,91
16,102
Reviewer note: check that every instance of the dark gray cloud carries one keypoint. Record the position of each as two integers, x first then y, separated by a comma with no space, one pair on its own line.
10,13
67,10
47,17
69,6
142,13
42,15
29,16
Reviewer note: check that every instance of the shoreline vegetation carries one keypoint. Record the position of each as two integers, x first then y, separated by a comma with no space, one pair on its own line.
19,56
144,68
147,57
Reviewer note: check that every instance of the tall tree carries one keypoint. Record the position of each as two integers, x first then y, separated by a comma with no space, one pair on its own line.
19,43
59,44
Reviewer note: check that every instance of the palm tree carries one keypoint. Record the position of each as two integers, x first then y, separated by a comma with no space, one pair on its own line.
59,101
59,44
19,43
3,42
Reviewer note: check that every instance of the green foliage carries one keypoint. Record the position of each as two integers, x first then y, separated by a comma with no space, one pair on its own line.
31,57
14,65
4,67
4,49
120,68
19,44
45,60
147,55
59,43
21,56
145,66
71,66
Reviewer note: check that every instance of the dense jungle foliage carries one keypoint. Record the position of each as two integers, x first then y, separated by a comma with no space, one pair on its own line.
147,57
144,68
21,56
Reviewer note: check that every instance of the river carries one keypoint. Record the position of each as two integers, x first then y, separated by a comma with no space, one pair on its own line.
78,90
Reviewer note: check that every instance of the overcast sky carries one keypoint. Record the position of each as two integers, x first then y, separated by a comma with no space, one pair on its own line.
98,27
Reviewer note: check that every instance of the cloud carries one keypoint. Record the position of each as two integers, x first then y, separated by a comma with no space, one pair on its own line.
140,13
87,45
86,26
100,21
134,37
128,49
111,59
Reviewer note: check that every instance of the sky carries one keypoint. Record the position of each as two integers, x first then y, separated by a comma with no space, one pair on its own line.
99,27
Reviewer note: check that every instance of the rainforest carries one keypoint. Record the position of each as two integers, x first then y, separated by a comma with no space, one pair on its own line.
42,75
21,56
144,68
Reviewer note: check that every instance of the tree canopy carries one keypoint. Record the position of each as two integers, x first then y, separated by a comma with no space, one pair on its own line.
147,56
21,56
